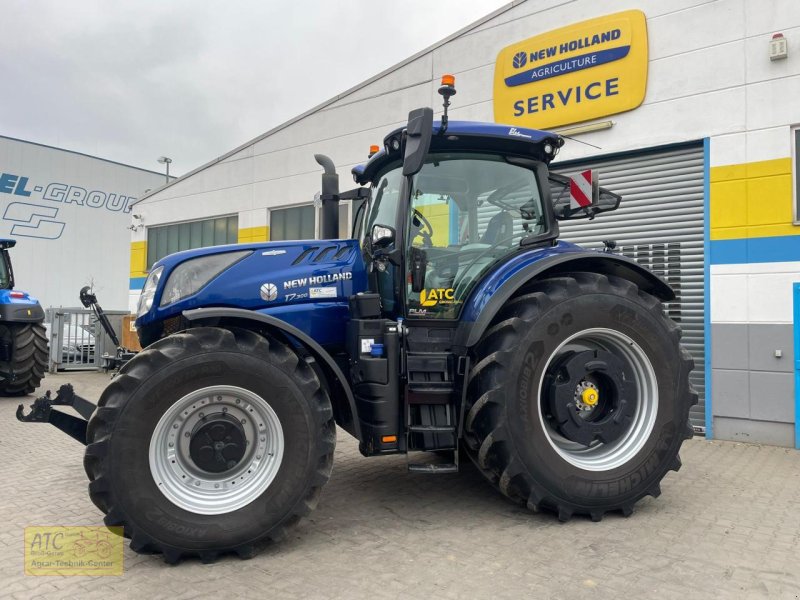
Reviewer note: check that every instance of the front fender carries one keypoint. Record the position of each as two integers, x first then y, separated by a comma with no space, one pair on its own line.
500,285
336,380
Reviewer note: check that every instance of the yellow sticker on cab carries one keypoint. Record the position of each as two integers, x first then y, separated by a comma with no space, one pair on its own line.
59,550
577,73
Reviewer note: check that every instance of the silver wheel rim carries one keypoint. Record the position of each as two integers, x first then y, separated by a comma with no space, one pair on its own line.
600,456
196,490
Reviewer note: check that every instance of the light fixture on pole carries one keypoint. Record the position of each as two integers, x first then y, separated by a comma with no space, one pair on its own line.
165,160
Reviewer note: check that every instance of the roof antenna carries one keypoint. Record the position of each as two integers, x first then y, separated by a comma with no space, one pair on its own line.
447,89
577,140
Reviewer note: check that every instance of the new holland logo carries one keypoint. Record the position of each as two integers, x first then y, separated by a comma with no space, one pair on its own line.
269,292
436,296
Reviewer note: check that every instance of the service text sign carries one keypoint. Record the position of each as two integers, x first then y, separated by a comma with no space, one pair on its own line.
577,73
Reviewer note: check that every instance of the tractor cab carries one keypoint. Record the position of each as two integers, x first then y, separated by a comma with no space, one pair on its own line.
448,200
430,235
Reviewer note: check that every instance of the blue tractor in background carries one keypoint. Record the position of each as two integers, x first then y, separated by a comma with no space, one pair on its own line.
453,323
23,338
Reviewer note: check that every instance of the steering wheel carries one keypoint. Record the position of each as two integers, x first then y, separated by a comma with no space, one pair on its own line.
427,233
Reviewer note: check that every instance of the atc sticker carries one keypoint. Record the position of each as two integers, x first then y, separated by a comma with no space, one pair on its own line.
322,292
436,296
57,550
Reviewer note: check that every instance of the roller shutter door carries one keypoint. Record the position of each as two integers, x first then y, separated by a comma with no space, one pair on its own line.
659,224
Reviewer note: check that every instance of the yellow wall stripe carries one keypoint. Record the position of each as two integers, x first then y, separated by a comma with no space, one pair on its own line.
439,217
253,234
138,259
752,200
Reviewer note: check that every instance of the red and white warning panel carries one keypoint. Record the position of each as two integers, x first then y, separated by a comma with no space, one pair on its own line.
582,189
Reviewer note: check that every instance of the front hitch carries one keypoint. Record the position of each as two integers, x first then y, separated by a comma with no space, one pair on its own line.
42,412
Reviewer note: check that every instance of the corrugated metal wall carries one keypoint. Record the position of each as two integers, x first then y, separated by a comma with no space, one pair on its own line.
660,224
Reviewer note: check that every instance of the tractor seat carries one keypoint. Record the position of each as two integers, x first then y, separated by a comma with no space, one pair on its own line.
499,229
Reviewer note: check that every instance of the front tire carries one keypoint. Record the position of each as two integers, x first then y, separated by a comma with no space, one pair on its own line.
29,356
579,399
210,441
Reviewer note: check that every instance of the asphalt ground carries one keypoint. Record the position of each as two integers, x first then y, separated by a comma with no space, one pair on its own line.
726,526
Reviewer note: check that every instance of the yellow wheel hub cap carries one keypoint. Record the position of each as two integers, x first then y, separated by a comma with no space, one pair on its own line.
590,397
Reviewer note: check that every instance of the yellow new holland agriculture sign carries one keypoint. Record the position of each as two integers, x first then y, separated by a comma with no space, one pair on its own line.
577,73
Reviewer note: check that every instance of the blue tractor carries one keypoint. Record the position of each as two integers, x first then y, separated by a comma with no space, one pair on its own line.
23,338
453,324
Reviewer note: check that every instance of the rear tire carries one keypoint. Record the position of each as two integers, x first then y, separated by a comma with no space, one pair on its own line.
528,430
172,497
29,357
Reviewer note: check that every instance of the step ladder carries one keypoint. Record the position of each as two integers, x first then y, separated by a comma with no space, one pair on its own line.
432,407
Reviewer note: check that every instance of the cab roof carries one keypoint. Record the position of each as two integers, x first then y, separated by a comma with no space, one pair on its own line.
469,136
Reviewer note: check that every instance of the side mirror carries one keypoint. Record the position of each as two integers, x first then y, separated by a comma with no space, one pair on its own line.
419,132
579,197
382,236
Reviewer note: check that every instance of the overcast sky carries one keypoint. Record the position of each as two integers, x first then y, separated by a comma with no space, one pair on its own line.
132,80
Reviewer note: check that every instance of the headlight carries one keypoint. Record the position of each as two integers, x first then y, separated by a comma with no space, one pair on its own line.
190,277
148,291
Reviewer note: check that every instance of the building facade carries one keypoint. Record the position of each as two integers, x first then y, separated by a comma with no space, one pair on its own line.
688,109
70,214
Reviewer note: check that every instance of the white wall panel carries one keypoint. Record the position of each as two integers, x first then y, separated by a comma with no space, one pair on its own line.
772,103
769,298
760,67
768,144
697,27
728,149
677,76
770,16
729,298
83,245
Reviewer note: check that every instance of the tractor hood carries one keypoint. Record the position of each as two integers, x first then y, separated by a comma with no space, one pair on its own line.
279,278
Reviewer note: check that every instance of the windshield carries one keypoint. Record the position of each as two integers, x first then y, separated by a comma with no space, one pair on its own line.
467,212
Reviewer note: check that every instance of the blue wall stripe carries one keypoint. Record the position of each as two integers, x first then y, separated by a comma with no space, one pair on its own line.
707,294
784,248
137,283
796,295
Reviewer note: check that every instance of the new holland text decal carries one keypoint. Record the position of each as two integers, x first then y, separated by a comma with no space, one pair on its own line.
313,287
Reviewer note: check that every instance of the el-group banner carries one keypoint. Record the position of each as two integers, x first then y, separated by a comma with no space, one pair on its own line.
577,73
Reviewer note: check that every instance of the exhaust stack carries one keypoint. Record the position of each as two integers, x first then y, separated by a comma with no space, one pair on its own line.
329,197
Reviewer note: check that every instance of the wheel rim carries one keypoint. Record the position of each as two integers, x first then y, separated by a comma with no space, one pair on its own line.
641,393
211,423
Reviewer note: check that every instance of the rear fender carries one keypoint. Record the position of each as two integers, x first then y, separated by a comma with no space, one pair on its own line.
496,289
344,405
19,307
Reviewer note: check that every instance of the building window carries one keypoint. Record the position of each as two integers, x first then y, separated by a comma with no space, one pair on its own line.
295,223
166,239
